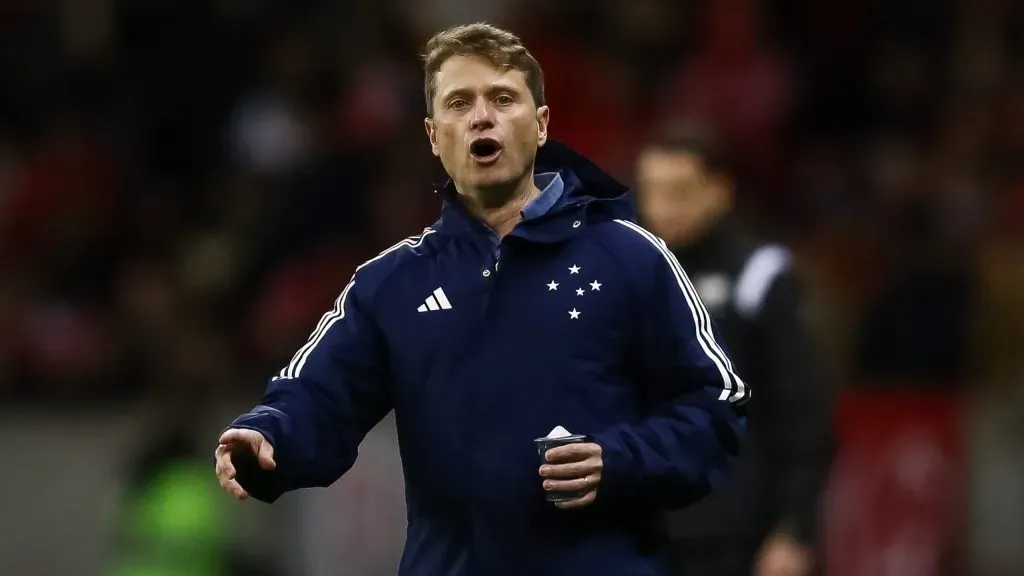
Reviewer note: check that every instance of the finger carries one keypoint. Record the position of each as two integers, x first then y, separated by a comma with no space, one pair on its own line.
230,485
225,467
574,485
571,471
235,489
221,452
581,502
266,455
232,436
572,452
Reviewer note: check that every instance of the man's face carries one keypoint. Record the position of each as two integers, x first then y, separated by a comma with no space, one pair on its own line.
676,197
486,127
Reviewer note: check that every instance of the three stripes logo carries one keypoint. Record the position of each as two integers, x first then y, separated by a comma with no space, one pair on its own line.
436,301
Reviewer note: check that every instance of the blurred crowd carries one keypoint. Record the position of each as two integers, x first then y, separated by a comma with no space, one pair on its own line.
185,185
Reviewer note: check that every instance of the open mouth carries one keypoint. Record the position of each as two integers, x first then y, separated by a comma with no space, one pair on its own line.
485,150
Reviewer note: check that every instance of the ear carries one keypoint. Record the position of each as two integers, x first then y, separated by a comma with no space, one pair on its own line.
543,116
428,124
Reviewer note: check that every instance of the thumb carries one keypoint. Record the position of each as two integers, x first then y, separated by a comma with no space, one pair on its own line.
265,454
231,437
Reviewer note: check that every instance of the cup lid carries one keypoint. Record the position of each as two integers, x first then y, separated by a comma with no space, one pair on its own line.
570,438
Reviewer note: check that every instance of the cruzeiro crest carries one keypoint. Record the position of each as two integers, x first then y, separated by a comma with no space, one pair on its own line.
575,283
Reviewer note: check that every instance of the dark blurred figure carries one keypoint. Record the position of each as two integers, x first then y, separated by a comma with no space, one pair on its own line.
763,520
173,521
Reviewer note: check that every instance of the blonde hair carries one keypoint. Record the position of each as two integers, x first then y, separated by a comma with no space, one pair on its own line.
501,47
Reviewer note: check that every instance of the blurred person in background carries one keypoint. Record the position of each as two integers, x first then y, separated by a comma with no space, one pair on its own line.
172,521
536,257
763,520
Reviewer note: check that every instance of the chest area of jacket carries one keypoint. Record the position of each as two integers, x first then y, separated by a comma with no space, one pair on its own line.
536,308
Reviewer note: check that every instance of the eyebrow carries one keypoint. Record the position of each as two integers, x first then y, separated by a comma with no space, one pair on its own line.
498,86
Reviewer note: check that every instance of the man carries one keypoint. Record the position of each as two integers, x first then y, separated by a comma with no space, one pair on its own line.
762,520
534,302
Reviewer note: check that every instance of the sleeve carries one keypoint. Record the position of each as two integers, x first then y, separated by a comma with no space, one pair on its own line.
696,419
797,416
320,406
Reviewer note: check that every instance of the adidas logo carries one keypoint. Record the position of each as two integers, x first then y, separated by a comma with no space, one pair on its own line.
436,301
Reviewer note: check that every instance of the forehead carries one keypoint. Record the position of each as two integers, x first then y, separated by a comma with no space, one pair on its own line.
661,164
475,73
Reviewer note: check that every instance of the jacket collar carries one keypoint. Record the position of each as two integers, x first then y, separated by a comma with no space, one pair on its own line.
589,195
551,189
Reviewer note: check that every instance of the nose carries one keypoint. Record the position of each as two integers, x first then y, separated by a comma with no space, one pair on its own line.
481,117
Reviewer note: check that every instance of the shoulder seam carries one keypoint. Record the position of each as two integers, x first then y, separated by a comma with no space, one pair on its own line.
410,242
294,367
604,246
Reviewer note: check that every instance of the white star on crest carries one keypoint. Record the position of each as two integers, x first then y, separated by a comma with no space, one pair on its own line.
552,286
574,269
595,285
574,314
579,291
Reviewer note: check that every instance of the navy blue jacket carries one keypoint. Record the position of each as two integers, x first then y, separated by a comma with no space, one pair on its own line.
578,317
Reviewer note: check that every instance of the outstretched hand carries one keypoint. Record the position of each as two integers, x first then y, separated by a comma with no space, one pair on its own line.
240,442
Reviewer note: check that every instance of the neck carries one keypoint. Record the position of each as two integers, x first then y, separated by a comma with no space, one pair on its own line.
500,209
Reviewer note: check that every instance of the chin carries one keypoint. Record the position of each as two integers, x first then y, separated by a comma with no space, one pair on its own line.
492,178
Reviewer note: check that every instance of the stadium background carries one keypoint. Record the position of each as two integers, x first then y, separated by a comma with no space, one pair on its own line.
185,185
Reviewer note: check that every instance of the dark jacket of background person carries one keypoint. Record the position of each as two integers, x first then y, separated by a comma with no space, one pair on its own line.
760,307
767,507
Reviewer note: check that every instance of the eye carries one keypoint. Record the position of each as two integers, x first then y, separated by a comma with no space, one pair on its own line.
457,104
504,99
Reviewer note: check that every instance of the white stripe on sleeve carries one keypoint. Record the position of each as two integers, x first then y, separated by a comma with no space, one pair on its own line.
733,388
